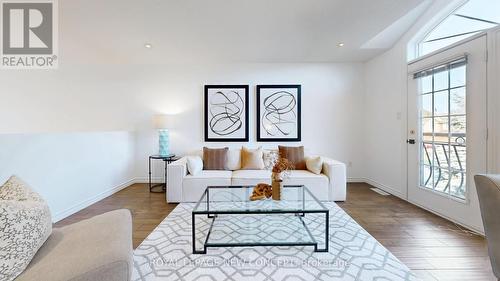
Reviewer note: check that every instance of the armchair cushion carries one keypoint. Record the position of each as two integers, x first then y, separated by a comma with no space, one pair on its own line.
99,248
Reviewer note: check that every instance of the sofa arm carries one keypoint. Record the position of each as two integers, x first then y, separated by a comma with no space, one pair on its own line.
336,173
176,172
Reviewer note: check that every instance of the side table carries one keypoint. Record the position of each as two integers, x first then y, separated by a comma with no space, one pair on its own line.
166,160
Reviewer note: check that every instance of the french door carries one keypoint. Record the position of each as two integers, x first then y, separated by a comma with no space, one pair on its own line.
447,131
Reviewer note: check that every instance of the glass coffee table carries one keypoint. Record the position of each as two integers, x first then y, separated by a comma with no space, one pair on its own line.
228,218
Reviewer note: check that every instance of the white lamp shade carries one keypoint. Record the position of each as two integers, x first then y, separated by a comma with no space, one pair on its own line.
161,121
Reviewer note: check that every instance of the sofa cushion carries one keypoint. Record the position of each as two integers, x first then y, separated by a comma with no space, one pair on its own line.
193,186
210,174
295,155
99,248
25,224
215,158
251,177
317,184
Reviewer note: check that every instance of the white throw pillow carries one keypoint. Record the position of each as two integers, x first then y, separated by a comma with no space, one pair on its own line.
25,224
194,165
314,164
233,159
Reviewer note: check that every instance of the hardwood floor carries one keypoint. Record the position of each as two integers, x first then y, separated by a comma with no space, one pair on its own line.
148,209
432,247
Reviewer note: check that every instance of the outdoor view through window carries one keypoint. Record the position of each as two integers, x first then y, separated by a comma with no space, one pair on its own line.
442,93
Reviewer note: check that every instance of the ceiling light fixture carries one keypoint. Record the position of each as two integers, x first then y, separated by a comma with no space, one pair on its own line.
340,44
148,46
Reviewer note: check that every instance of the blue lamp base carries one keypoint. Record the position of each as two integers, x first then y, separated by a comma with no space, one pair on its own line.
164,141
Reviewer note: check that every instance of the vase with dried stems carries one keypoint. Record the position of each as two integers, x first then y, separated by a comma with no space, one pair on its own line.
280,171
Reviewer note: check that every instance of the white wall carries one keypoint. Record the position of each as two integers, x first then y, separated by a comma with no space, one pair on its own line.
70,170
385,122
332,107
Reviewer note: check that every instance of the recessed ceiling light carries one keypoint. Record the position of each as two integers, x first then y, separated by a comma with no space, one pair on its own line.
340,44
148,46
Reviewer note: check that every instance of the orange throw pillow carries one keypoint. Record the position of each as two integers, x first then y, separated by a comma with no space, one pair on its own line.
252,159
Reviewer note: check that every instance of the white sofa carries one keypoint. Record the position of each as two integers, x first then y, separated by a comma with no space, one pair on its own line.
330,185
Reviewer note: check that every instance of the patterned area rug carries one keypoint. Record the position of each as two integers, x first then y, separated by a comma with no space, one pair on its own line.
353,254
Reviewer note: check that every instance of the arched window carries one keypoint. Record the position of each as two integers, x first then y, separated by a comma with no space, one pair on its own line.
471,18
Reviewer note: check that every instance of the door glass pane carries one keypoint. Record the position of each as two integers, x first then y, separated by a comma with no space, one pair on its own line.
441,128
443,132
457,77
426,84
441,103
440,81
458,125
457,101
427,106
427,127
426,176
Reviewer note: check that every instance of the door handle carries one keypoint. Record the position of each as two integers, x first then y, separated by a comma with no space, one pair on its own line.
410,141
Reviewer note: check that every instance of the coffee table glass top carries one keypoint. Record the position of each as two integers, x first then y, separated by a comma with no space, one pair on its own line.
236,199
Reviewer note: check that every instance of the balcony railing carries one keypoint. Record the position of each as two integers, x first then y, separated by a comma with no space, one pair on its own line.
444,163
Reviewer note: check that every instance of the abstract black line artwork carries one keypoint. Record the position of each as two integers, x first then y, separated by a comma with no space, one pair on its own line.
280,116
226,110
226,113
278,113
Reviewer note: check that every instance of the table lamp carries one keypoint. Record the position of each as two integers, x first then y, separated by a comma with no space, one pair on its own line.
161,123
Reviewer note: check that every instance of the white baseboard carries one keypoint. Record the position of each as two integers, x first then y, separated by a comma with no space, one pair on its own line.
479,232
376,184
401,195
386,188
84,204
356,180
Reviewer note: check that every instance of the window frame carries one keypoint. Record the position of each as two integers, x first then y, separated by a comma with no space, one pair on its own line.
418,43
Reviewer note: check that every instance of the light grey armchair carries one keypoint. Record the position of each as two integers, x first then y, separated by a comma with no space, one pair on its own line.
488,191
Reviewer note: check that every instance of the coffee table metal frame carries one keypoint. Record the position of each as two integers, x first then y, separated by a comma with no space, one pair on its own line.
300,213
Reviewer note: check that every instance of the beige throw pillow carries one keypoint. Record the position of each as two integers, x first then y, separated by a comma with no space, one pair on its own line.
252,159
25,224
234,159
314,164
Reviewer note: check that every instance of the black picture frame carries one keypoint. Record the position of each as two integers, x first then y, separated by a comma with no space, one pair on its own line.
210,134
295,93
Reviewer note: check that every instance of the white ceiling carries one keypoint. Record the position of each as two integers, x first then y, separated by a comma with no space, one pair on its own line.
115,31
